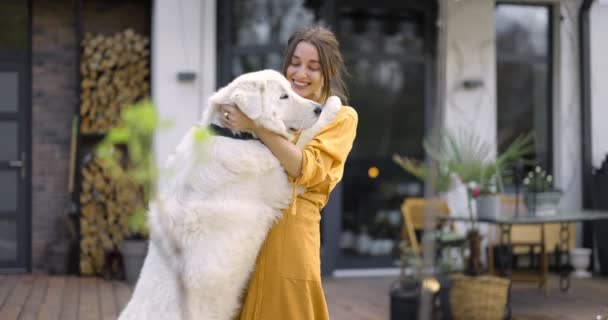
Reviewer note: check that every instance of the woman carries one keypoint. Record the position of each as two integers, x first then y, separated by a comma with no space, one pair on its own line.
286,283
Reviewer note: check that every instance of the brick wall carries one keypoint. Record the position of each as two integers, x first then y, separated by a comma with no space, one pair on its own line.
53,105
54,99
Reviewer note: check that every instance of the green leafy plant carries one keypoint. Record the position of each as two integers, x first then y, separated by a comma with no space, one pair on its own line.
128,151
441,181
467,155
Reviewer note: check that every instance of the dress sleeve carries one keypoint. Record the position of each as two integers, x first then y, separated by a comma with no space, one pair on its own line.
328,150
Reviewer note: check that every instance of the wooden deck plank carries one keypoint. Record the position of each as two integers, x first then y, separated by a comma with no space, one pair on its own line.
50,309
71,299
107,300
88,308
7,284
122,293
35,298
17,298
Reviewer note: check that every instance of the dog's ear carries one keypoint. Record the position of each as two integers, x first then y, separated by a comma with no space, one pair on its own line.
250,104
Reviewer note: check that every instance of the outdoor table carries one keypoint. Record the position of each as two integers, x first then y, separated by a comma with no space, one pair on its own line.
564,218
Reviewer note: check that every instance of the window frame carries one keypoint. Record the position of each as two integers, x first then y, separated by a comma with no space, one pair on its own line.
553,88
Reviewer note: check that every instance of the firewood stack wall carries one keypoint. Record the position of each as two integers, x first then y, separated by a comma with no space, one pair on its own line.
115,74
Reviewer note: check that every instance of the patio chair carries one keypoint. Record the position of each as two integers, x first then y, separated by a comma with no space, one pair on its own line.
413,211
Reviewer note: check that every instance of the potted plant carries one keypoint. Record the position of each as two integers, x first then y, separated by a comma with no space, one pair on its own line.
469,159
405,292
134,137
135,246
540,197
488,199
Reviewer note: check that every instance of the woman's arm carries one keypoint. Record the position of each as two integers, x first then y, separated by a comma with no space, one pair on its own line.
288,154
311,165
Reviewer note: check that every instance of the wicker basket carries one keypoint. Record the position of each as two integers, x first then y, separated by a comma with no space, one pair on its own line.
483,298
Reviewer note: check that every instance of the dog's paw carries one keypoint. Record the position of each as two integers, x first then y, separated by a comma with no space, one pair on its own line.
333,104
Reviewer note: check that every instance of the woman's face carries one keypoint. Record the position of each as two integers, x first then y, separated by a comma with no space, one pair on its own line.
304,72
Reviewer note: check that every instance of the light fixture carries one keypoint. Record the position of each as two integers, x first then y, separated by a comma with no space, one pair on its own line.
373,172
186,76
472,83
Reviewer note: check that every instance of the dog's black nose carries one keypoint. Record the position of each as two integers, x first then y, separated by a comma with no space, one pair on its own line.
318,110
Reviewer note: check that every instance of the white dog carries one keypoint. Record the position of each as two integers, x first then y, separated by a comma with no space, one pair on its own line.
210,222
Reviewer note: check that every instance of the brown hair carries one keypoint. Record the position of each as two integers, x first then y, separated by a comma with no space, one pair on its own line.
332,64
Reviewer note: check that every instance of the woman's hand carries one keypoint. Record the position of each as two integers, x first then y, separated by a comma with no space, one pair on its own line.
288,154
234,119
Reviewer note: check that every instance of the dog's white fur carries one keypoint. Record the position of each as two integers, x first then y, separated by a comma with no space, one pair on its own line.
210,221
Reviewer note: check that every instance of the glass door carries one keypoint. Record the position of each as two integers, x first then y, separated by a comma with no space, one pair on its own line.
13,173
14,136
388,50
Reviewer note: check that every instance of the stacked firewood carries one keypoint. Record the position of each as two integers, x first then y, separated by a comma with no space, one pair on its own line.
106,201
115,73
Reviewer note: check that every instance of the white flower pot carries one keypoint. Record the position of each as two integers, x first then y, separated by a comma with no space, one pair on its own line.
488,206
542,203
580,258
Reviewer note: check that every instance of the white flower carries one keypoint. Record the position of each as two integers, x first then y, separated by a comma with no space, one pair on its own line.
537,169
472,185
527,181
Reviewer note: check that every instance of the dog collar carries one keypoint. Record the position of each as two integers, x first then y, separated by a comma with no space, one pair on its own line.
224,132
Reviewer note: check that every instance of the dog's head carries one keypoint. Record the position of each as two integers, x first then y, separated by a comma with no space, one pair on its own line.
267,98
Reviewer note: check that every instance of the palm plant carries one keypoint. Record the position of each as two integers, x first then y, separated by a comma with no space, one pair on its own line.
441,181
471,158
468,156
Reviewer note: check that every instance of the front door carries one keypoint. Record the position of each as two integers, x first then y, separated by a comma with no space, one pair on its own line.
14,136
388,47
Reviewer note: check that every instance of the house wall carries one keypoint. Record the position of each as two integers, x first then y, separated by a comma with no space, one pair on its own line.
183,40
54,101
599,79
566,108
471,55
53,106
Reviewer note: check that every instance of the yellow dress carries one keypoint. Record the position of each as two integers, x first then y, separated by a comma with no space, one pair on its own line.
286,283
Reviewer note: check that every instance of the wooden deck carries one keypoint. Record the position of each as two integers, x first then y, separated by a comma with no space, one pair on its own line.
51,297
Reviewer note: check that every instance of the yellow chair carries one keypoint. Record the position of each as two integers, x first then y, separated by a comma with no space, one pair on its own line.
414,212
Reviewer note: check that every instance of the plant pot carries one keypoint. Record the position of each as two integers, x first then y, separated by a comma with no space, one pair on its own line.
580,259
479,298
405,299
133,254
542,203
488,206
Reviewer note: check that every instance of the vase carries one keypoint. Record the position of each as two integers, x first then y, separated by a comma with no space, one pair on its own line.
405,299
488,206
134,252
542,203
580,258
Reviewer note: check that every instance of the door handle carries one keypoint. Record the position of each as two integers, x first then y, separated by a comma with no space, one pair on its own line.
19,164
15,163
